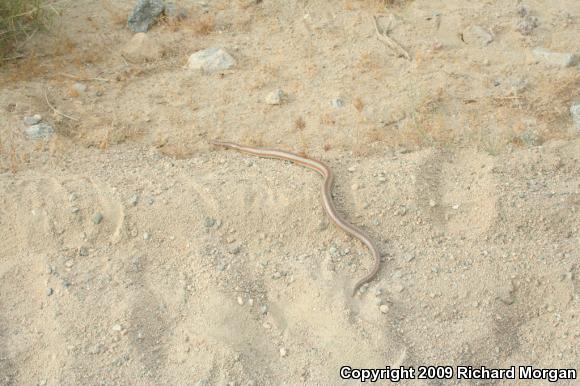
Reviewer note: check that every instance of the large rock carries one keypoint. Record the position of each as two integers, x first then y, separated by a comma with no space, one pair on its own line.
210,60
144,15
141,48
557,59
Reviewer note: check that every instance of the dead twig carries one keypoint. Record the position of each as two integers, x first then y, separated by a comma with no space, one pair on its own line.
55,110
392,44
84,79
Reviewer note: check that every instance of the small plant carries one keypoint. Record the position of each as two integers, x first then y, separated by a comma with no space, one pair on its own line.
19,20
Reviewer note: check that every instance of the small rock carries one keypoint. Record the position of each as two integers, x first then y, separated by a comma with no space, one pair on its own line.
80,87
478,34
505,294
275,97
83,251
352,169
209,222
144,15
141,48
40,130
575,112
146,236
408,257
49,291
557,59
74,209
264,309
210,60
529,137
32,119
240,301
432,203
354,186
384,308
97,218
134,200
455,206
337,103
69,263
117,327
283,352
202,382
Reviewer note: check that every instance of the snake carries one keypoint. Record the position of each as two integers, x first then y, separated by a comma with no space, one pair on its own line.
327,200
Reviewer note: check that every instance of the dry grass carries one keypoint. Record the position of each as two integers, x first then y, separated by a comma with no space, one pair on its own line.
19,21
204,25
299,124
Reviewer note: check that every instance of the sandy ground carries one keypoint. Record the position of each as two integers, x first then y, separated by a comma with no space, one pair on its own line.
133,252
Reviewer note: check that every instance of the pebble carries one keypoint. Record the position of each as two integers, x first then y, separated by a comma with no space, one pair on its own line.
354,186
144,15
337,103
39,131
49,291
455,206
575,112
275,97
117,327
202,382
408,257
352,169
209,222
74,209
557,59
69,263
283,352
80,87
240,301
384,308
32,119
146,236
333,251
264,309
432,203
210,60
134,199
97,218
83,251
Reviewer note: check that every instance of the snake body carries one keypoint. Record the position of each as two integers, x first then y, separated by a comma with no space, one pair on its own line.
327,201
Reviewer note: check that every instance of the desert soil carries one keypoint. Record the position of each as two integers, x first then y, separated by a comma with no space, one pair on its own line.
133,252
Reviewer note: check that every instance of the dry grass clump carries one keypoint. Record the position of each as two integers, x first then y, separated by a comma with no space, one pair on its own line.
19,20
